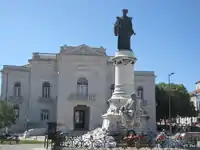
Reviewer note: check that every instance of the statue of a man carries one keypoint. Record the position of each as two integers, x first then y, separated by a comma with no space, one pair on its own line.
128,111
124,30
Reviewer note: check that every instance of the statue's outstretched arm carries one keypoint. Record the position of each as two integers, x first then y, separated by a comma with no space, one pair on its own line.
132,30
116,27
117,22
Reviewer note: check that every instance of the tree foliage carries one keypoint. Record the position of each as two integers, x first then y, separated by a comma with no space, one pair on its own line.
180,101
7,114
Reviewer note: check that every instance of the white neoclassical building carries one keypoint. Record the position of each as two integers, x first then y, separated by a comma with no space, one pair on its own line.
195,96
70,87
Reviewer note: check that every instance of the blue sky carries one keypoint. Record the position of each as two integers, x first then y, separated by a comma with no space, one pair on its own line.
167,31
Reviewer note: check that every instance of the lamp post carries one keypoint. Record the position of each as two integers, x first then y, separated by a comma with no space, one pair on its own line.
170,117
27,123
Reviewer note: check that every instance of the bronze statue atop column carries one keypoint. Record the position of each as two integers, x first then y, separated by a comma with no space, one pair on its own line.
124,30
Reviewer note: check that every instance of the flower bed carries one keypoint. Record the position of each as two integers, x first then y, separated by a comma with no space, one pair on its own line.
137,141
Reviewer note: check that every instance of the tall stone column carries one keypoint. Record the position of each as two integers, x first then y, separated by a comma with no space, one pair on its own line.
124,61
124,86
124,75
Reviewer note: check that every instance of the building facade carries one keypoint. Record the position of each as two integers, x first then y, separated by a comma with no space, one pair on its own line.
71,88
195,96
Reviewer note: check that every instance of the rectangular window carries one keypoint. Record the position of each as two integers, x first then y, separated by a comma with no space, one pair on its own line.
139,94
17,91
46,92
44,115
82,90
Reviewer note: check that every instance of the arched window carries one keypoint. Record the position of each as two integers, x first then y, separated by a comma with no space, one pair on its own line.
140,92
17,89
82,87
46,89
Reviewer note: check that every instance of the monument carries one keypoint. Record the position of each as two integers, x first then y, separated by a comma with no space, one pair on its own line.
124,112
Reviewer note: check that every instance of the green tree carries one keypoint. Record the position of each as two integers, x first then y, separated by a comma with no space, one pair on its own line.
7,114
180,101
162,103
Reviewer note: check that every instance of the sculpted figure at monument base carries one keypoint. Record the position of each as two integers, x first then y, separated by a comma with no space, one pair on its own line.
128,112
120,117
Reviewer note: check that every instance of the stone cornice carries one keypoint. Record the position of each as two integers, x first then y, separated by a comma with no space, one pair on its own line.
15,68
82,50
145,73
42,59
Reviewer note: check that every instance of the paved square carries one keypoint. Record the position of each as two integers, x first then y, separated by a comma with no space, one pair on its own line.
22,147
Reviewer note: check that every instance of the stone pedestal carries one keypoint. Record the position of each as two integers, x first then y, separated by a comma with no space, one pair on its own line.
124,75
144,123
111,122
124,86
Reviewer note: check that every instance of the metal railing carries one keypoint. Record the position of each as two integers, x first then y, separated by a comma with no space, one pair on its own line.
15,99
46,99
77,96
63,141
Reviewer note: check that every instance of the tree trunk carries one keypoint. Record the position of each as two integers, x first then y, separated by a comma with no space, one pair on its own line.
165,121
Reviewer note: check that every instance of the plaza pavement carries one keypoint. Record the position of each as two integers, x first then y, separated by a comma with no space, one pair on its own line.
22,147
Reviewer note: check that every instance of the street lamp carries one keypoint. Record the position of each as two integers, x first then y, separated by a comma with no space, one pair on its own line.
170,117
27,123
